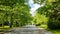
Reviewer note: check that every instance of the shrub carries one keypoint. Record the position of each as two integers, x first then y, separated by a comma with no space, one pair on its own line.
53,24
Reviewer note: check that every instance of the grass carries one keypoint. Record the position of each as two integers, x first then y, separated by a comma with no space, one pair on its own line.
54,31
4,29
42,26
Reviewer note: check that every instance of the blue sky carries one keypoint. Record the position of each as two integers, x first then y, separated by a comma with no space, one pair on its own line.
33,7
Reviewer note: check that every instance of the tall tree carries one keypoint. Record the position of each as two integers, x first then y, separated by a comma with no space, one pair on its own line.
17,10
52,10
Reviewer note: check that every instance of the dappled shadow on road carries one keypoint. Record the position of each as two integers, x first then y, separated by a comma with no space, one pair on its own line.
28,30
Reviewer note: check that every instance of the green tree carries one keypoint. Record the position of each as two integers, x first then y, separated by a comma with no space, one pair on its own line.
52,10
15,10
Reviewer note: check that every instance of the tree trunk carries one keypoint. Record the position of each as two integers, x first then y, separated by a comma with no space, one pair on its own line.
3,25
11,21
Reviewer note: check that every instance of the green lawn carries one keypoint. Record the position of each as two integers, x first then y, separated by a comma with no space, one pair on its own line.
54,31
4,29
42,26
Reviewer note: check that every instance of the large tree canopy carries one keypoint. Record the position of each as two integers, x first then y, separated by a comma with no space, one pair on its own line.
52,10
14,11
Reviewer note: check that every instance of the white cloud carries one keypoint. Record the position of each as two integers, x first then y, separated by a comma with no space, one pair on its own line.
34,7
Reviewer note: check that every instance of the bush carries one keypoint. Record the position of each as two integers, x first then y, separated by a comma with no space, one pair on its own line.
53,24
38,24
6,23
